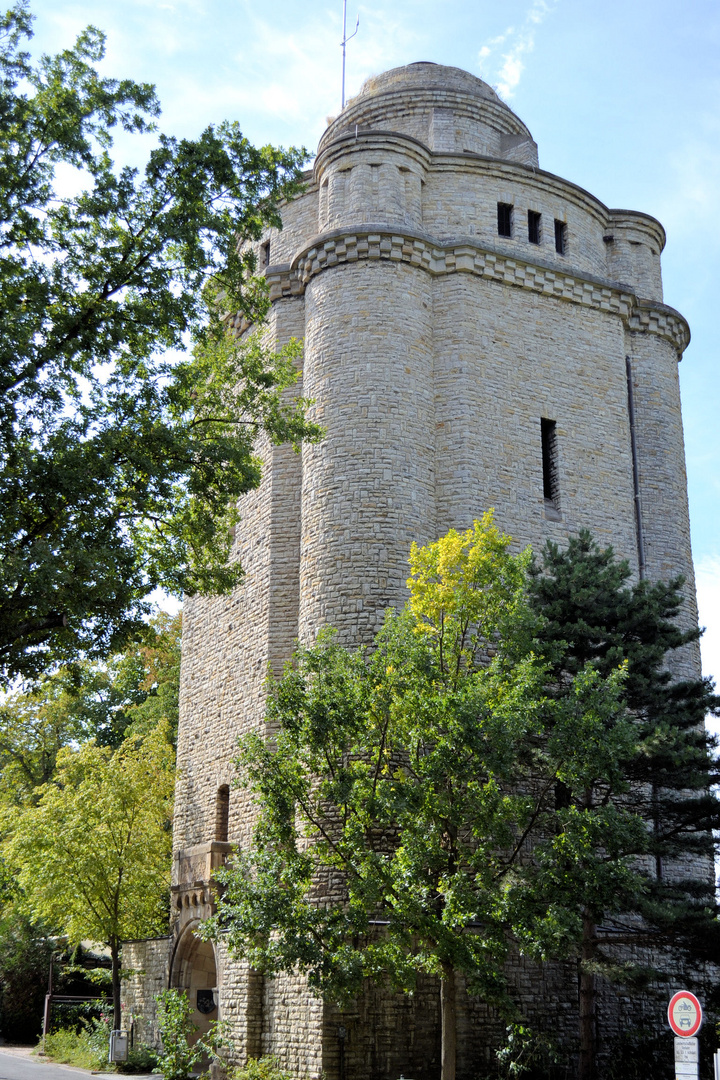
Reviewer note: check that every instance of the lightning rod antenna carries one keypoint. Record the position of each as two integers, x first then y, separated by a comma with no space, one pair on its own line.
344,43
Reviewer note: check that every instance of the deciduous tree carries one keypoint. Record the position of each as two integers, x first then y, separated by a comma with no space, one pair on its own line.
396,793
92,858
120,463
481,778
130,692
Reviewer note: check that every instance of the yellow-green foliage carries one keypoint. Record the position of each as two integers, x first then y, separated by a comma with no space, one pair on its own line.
264,1068
74,1048
92,858
465,588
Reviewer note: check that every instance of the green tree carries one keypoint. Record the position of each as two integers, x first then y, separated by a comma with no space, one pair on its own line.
25,952
182,1049
595,865
393,784
159,654
34,727
120,463
129,693
481,778
92,858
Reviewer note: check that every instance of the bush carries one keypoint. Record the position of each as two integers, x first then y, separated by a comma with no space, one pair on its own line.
264,1068
179,1053
97,1032
88,1049
74,1015
141,1059
74,1048
530,1054
178,1056
639,1054
25,952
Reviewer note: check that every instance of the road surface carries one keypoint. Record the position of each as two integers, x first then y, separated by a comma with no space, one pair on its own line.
21,1064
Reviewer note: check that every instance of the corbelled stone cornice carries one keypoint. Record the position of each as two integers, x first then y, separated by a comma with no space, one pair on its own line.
465,255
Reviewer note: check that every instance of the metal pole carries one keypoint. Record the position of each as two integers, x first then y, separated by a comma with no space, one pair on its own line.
344,43
48,1003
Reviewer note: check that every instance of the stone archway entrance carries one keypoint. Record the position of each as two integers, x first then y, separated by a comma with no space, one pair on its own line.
194,970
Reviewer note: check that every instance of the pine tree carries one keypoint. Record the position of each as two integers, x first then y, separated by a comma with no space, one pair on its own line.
592,616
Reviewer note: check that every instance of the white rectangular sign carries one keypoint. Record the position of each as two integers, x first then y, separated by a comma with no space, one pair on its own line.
686,1070
686,1050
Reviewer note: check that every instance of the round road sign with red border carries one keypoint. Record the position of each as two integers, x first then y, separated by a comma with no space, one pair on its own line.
685,1014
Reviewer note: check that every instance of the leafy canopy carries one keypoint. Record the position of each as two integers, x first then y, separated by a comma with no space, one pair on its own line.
92,858
502,767
86,785
120,462
130,693
391,781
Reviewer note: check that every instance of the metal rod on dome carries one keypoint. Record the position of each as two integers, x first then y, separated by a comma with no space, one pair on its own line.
344,43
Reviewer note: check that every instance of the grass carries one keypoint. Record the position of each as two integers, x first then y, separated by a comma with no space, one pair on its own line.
88,1049
74,1048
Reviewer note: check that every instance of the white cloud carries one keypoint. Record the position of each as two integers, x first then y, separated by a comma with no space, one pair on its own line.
282,79
520,41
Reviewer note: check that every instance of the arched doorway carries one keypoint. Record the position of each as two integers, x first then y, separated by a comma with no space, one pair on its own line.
194,970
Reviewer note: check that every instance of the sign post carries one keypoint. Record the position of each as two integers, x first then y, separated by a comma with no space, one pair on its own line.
685,1017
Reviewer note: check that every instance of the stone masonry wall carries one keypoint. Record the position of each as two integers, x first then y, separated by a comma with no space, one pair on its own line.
229,641
146,969
368,487
433,348
503,361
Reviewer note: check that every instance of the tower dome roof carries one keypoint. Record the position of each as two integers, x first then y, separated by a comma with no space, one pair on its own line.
446,108
425,75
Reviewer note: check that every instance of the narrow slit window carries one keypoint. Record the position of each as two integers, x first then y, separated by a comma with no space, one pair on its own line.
533,226
548,434
222,813
560,237
265,259
505,219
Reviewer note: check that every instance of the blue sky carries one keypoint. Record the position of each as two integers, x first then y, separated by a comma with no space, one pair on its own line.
623,98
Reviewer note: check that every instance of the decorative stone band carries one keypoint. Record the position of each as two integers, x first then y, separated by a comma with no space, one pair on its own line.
466,256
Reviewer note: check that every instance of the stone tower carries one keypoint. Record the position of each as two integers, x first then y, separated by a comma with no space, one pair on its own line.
477,333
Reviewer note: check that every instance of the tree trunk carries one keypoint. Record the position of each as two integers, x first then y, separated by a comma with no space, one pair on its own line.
449,1023
587,1002
115,956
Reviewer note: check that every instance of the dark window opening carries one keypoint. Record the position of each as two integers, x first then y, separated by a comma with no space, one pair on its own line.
265,257
548,434
222,813
560,237
533,227
505,219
